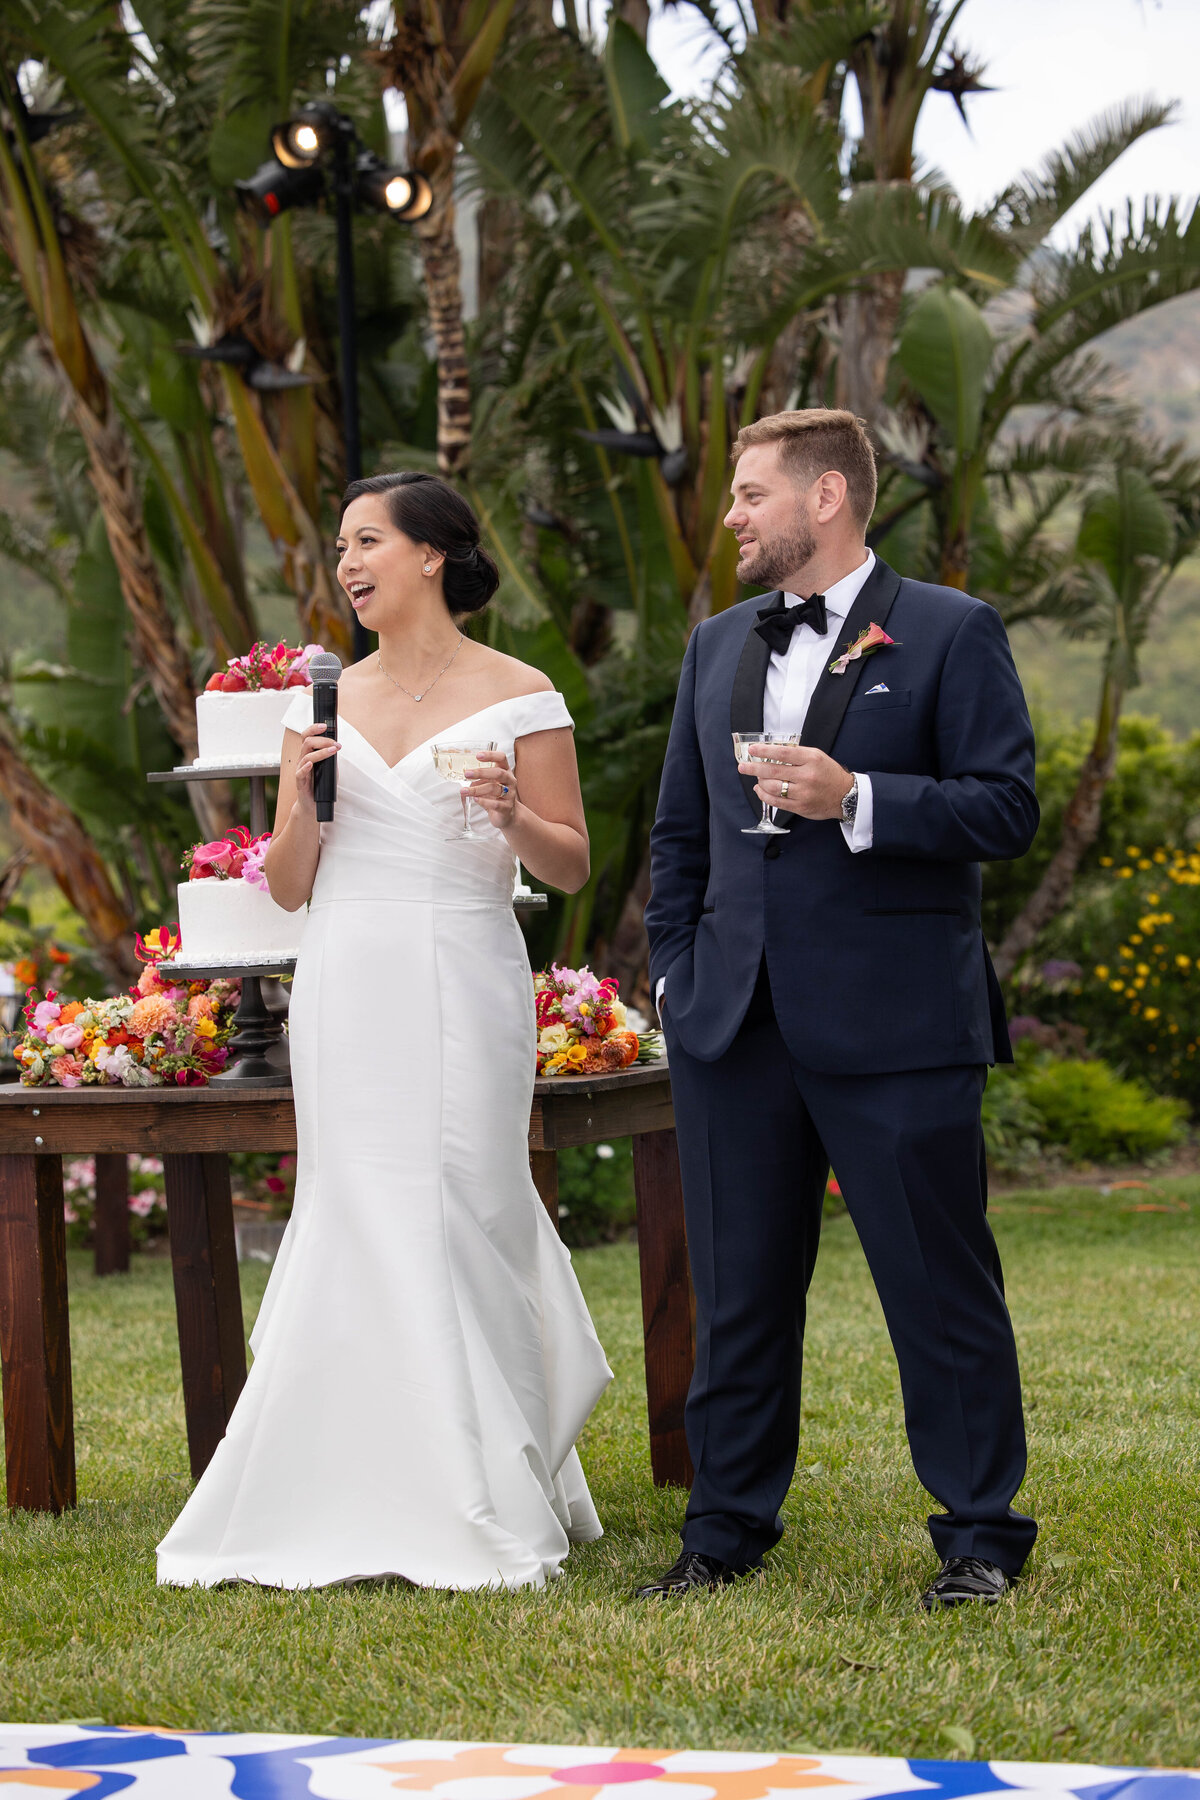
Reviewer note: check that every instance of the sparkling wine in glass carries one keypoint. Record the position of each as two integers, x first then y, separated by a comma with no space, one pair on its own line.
454,762
742,742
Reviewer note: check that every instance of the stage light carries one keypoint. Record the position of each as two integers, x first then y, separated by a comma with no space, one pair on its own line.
400,192
298,142
274,188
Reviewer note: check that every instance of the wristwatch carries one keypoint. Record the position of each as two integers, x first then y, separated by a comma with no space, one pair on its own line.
850,802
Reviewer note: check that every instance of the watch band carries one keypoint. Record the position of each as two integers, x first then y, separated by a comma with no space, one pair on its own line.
850,803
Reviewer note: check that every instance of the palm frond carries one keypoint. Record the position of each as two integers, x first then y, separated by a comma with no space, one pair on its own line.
1031,206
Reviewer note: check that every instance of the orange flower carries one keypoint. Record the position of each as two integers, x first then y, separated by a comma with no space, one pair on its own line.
149,1014
25,971
70,1011
628,1042
58,956
200,1006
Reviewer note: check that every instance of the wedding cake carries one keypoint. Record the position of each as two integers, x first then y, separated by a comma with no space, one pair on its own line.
226,913
239,716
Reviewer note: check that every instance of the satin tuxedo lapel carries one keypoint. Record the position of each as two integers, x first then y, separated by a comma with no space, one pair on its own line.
832,694
749,688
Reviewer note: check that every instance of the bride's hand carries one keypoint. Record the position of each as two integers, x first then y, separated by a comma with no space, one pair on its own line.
494,789
314,748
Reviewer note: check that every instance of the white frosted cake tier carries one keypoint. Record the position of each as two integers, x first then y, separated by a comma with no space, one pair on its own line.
241,728
231,922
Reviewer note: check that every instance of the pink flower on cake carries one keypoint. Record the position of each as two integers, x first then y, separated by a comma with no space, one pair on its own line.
253,873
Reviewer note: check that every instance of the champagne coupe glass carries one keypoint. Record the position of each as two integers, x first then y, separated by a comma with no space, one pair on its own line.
742,741
452,761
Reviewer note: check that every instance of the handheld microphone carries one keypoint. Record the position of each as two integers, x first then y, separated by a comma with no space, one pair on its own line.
324,670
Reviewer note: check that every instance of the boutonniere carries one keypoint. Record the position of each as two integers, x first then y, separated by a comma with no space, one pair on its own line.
865,644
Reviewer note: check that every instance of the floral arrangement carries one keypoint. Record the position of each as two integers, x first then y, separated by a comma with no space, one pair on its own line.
31,969
235,857
583,1027
160,1032
264,666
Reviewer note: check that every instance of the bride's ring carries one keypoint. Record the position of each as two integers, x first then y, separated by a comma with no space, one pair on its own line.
783,788
503,793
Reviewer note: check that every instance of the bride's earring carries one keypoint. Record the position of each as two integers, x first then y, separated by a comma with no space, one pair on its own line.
428,567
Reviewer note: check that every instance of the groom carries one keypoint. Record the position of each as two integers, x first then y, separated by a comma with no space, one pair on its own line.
827,997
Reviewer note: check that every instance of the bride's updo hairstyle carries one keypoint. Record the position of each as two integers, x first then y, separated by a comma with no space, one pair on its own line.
428,510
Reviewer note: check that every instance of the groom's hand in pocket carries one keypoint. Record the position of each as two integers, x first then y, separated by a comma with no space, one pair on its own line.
815,784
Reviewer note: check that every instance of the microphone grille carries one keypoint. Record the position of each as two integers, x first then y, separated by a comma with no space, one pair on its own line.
326,667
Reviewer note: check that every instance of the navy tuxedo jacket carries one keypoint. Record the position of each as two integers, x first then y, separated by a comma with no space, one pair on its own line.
877,960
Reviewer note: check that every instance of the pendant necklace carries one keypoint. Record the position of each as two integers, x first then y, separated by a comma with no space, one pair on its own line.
425,690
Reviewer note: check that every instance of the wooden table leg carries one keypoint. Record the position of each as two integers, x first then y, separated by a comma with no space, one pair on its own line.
543,1166
208,1300
35,1336
668,1310
111,1228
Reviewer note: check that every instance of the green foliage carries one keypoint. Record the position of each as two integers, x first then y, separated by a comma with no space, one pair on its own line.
1097,1115
945,349
1011,1128
1133,935
595,1192
1153,798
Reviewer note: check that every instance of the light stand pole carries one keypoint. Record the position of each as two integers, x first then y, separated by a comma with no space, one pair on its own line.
343,189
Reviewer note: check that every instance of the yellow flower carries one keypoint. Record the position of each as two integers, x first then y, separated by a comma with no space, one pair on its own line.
1160,856
1132,850
1151,1012
1153,899
1140,983
1143,968
1101,972
1143,863
204,1028
1135,937
1183,962
1117,986
577,1053
1124,874
1124,950
97,1050
1106,862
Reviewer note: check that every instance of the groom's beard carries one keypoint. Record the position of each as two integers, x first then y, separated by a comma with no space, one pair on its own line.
769,564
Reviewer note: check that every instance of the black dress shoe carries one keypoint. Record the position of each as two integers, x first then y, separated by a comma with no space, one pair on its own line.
693,1570
963,1578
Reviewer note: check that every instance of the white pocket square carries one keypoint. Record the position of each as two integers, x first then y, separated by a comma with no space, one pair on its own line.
881,687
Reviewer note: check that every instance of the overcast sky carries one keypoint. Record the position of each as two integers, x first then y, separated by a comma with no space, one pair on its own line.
1056,64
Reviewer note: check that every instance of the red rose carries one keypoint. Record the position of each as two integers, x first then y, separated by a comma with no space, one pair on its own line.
234,682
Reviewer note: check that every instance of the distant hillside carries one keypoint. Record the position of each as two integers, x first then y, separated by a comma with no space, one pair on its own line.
1159,357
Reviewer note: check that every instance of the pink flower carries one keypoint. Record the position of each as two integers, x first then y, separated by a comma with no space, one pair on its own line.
143,1204
45,1014
252,871
211,859
67,1071
69,1036
865,644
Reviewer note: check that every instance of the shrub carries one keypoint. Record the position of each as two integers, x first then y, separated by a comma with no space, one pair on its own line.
595,1192
1153,798
1134,938
1012,1129
1095,1115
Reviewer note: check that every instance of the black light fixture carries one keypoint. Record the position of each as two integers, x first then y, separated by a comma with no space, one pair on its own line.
319,134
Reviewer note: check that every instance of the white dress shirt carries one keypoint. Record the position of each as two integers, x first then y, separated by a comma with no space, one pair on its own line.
792,676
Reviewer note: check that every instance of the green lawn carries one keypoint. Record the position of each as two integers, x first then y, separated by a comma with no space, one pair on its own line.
1091,1659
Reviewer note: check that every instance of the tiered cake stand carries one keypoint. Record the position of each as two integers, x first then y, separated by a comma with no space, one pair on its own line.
258,1048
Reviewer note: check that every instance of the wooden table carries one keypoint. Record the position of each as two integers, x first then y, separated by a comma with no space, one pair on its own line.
193,1130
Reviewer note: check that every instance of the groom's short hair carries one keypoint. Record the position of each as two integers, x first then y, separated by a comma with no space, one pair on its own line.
817,439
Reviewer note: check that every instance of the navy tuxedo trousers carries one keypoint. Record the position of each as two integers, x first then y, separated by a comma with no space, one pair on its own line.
757,1133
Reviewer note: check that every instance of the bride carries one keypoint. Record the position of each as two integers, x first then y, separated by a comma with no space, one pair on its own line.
424,1360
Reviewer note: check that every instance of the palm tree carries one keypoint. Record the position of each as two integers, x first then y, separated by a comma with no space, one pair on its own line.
439,56
1135,532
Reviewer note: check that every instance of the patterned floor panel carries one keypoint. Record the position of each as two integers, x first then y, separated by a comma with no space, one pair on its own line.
38,1762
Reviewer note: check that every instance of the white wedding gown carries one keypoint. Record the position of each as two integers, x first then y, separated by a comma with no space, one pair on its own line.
423,1358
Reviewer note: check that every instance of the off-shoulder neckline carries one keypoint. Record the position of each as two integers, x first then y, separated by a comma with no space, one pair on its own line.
447,731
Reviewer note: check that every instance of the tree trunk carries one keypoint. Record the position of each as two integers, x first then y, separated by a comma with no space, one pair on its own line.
156,643
868,322
57,838
1080,828
956,561
443,299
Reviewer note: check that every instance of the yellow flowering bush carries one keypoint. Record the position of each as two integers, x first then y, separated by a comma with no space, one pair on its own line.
1133,983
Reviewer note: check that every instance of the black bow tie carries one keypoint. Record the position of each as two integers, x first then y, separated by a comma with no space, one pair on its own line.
777,622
